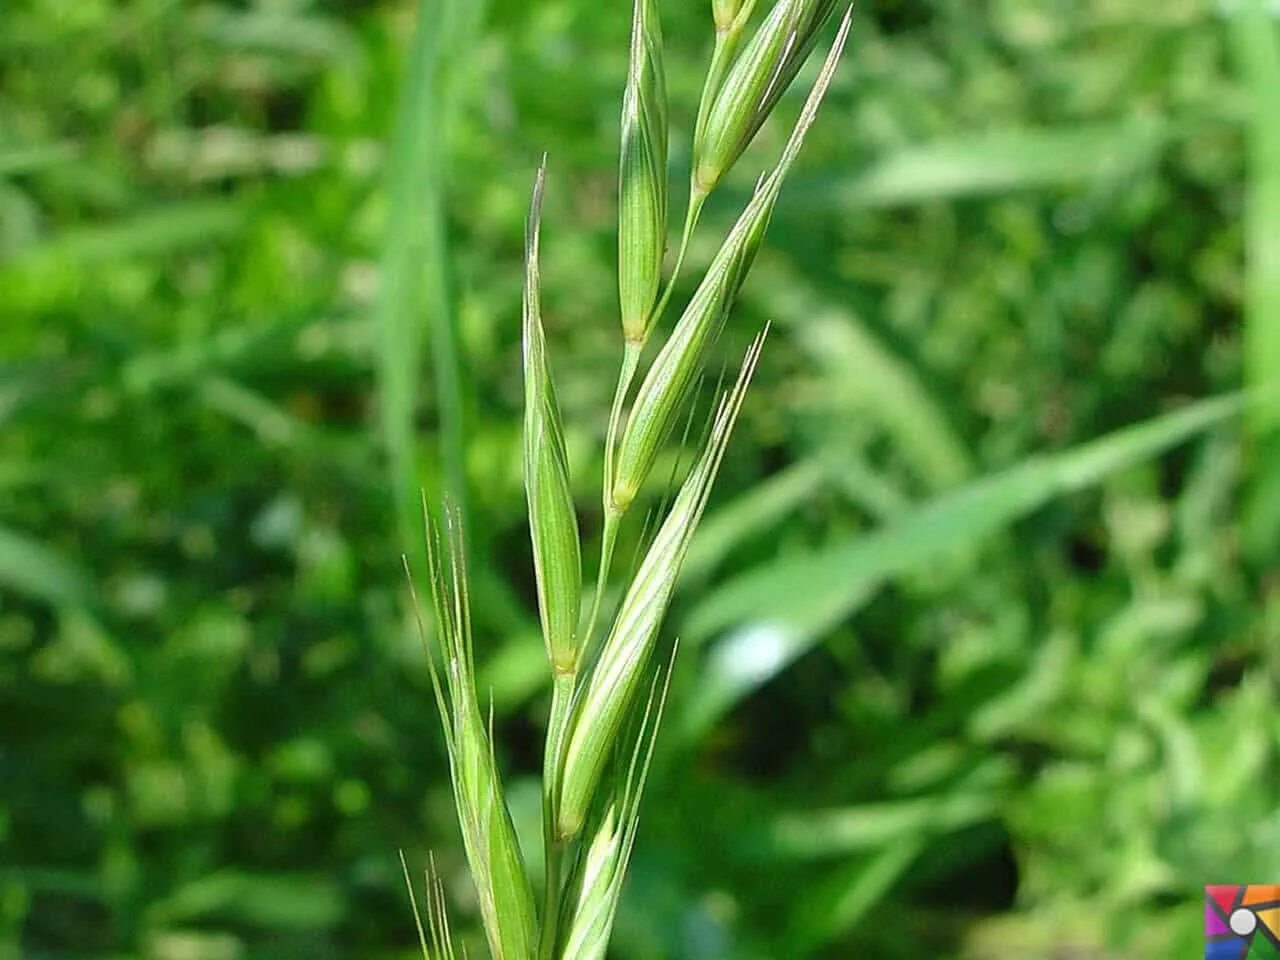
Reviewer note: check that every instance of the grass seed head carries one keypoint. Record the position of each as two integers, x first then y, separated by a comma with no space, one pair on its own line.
642,176
553,524
602,708
753,84
676,368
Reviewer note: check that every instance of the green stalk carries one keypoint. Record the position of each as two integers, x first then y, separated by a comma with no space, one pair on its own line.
562,690
697,197
631,351
551,899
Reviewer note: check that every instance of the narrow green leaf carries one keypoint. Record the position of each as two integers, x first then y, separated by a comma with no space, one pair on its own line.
156,232
769,617
824,834
1257,48
988,163
415,265
866,380
840,901
15,160
755,511
30,568
280,901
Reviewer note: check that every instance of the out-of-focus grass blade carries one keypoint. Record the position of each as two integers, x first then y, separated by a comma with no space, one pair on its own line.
768,617
991,163
221,153
1030,695
840,901
271,423
16,160
819,834
274,901
157,231
30,568
273,344
864,373
415,264
1257,45
760,508
323,38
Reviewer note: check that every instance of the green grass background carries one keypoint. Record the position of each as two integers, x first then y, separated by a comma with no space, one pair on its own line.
981,641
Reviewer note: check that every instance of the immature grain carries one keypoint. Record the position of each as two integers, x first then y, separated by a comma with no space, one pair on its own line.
731,18
553,524
642,176
753,85
594,886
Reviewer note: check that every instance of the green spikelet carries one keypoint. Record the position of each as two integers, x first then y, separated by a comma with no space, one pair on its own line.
553,524
753,84
642,176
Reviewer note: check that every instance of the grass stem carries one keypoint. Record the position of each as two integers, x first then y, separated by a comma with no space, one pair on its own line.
697,197
612,516
557,723
549,933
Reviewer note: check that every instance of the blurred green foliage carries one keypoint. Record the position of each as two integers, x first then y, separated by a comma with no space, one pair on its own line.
961,679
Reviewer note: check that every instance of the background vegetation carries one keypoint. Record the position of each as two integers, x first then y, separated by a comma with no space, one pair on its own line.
956,680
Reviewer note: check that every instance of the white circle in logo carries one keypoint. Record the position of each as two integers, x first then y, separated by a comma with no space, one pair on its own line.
1243,922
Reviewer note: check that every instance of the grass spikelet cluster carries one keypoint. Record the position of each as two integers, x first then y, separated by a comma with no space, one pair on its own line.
601,731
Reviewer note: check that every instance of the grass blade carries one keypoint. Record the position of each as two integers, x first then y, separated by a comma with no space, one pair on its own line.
415,267
995,162
1257,48
769,617
865,375
159,231
32,569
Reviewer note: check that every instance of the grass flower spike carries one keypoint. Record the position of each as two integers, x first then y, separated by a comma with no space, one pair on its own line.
642,177
601,730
